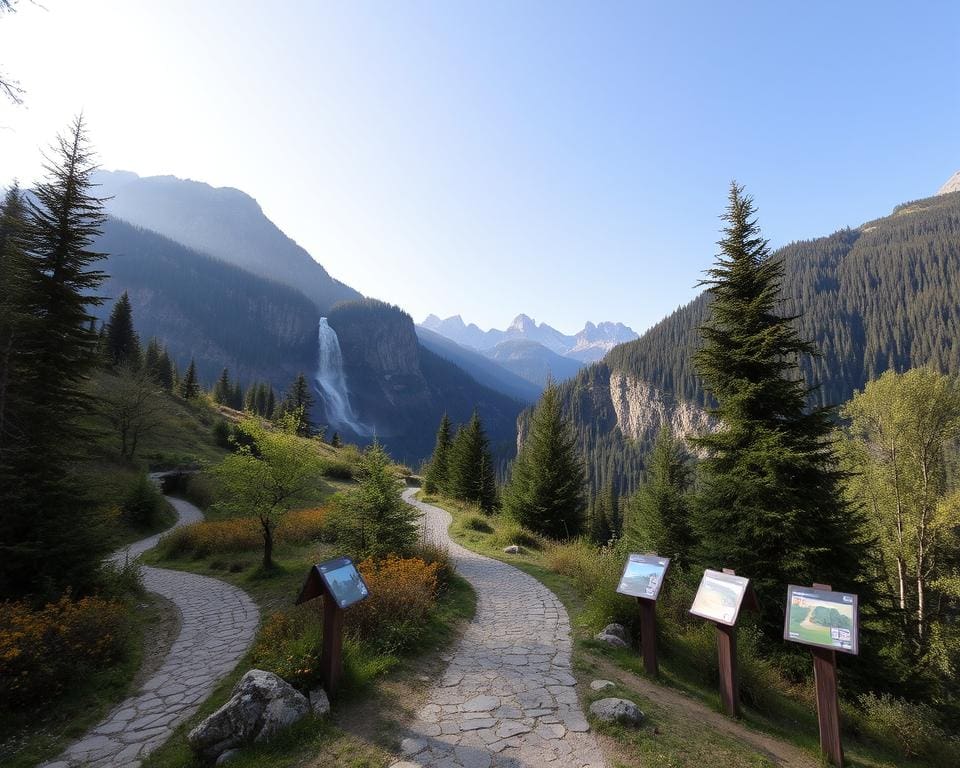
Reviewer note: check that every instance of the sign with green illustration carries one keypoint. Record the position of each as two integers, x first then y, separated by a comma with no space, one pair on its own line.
643,576
822,618
719,597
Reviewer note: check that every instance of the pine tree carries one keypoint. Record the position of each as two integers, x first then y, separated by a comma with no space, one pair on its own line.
335,441
546,488
470,472
270,400
122,342
166,373
298,401
770,503
151,360
659,513
236,397
190,387
436,477
222,389
598,521
49,535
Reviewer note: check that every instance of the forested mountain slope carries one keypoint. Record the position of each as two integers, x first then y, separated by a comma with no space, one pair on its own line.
205,309
884,295
222,222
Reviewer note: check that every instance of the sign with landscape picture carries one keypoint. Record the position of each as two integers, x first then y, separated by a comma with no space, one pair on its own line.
343,581
823,618
643,576
719,597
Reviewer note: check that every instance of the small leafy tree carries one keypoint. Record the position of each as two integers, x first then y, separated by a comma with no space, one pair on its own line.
134,406
268,476
546,489
374,520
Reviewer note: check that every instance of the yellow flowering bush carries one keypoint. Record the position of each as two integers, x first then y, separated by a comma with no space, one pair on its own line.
43,650
289,645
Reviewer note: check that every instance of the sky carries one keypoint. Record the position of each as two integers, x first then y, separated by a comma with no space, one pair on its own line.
567,160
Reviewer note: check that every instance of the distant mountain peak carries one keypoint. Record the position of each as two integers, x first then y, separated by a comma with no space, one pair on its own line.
951,185
522,323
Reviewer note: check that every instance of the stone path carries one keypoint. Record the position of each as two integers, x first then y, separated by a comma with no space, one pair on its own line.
218,625
507,698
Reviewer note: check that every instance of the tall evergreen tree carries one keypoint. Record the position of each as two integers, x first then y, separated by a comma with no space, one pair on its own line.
222,389
436,478
471,475
49,537
236,397
770,504
190,387
166,373
598,521
658,516
122,342
335,441
546,488
151,360
298,401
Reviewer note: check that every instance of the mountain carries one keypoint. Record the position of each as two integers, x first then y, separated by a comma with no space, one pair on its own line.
587,346
486,372
203,308
877,297
950,185
221,222
400,389
533,362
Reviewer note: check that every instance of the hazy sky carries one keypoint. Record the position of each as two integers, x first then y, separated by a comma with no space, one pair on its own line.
567,160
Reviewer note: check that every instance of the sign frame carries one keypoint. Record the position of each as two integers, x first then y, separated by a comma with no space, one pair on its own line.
645,559
819,593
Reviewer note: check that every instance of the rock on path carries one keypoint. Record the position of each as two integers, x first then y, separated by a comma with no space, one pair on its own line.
507,697
218,624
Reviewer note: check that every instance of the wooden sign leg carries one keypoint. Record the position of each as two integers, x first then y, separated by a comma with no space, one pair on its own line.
331,657
729,675
828,706
648,635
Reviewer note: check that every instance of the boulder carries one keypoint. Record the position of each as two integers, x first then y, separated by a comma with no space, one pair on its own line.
617,711
262,705
599,685
513,549
319,702
614,635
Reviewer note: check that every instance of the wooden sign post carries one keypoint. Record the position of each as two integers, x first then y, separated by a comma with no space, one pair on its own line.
828,622
642,578
719,599
340,585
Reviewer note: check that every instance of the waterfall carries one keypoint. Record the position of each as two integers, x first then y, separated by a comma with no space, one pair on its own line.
331,382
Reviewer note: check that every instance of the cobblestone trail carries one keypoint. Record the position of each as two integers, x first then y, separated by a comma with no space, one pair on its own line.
507,697
217,627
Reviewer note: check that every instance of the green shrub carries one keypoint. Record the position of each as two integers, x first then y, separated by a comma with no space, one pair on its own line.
908,729
119,580
436,554
289,645
221,433
338,469
143,504
510,532
478,523
200,490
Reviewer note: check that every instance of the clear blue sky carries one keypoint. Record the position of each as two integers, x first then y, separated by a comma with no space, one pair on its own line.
567,160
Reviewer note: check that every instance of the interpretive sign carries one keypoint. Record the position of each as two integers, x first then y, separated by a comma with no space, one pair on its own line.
340,585
643,576
719,597
822,618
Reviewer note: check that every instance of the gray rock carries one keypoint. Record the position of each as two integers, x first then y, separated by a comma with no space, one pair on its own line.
599,685
261,705
319,702
617,711
226,757
617,630
513,549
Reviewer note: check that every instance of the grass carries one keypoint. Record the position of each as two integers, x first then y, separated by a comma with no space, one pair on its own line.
680,740
28,738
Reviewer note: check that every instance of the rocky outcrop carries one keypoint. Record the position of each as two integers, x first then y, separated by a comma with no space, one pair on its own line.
642,411
261,706
951,185
614,635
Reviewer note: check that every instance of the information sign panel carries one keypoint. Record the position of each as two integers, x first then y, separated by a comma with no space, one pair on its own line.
643,576
343,581
719,597
822,618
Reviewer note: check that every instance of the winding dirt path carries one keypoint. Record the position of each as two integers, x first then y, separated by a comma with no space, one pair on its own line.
218,622
507,697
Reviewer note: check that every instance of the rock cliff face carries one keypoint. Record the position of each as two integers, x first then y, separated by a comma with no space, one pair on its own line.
642,411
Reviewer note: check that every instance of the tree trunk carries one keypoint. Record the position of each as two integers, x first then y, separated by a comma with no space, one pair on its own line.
267,543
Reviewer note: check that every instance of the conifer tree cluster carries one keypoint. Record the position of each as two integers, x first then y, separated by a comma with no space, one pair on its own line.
462,467
297,402
225,393
48,536
605,516
546,488
260,399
